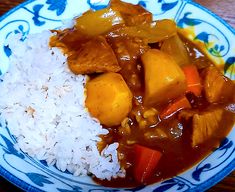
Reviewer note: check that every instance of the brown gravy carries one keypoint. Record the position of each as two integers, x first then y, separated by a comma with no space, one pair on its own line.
178,155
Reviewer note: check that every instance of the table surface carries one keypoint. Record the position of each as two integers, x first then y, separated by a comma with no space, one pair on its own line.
224,9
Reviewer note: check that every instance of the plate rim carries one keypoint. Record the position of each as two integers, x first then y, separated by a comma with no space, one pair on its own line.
21,184
5,15
225,23
202,187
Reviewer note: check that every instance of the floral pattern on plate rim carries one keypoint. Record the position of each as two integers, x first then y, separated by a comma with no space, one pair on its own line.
44,14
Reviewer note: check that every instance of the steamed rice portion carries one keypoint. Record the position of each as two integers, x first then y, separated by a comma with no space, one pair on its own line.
43,103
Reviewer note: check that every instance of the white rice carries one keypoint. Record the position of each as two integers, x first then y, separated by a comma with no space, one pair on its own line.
43,103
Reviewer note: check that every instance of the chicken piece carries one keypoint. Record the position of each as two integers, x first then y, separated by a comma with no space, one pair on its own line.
95,56
186,114
217,87
205,125
128,50
132,14
175,47
68,40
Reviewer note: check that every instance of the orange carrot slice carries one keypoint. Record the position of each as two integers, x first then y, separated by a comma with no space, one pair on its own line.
192,79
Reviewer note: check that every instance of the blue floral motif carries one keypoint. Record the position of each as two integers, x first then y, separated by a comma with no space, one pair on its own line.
139,188
10,149
7,51
77,189
188,21
57,5
66,190
54,5
159,7
230,62
103,190
142,3
21,31
24,31
43,175
168,6
44,163
36,10
38,179
97,5
74,189
196,174
212,47
203,36
22,28
216,49
225,145
168,184
165,5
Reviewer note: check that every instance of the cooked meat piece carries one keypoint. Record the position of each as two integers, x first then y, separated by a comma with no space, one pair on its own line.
94,56
128,51
186,114
217,87
68,39
132,14
204,125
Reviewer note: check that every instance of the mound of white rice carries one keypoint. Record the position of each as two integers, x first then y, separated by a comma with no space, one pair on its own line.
43,103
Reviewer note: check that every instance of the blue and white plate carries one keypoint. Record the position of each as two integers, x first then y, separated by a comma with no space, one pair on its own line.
214,36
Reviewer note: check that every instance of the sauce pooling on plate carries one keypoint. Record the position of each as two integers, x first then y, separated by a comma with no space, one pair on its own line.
160,97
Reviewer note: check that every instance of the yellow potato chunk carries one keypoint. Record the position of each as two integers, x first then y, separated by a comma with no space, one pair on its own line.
217,87
108,98
164,79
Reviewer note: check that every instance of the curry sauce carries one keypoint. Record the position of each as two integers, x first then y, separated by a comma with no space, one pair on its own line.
115,48
178,154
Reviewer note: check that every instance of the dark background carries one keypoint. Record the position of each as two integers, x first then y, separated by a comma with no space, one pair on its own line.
223,8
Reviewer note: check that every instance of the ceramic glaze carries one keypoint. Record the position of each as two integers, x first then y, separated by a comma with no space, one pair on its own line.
215,38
